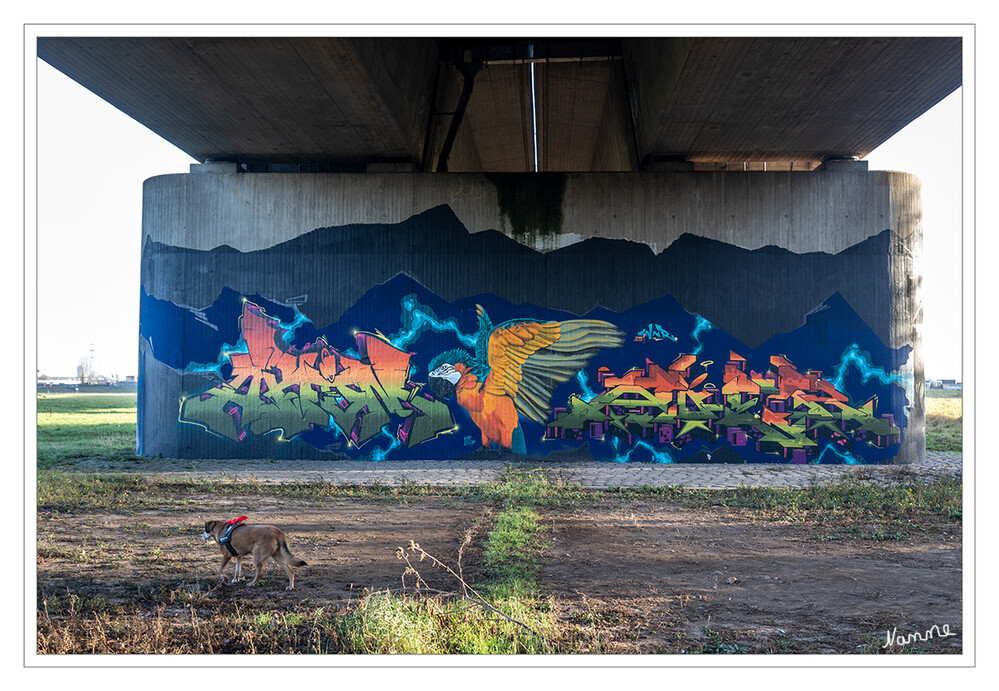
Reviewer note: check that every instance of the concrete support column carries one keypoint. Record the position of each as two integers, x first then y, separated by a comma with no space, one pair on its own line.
670,316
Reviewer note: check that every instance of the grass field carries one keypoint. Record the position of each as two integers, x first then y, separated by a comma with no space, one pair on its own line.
944,416
72,426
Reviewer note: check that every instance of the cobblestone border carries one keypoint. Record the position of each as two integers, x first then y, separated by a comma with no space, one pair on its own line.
590,475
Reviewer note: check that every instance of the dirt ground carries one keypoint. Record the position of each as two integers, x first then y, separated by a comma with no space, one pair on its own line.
674,580
629,577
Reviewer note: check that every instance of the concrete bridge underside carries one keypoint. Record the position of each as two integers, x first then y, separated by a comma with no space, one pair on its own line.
340,104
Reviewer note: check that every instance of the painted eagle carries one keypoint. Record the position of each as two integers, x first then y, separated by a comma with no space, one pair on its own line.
514,370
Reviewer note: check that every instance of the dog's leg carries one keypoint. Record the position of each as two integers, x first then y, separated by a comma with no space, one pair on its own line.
258,565
235,579
288,570
225,560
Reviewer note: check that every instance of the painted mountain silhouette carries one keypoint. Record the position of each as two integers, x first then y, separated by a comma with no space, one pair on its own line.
752,294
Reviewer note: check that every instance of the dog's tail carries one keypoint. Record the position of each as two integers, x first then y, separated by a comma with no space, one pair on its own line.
289,558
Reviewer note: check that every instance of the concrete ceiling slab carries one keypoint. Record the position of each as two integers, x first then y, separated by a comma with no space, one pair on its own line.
600,104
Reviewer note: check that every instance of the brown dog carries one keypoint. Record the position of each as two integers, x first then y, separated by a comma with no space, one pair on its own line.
262,541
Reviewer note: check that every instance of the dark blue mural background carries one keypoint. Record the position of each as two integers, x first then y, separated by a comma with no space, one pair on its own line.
194,341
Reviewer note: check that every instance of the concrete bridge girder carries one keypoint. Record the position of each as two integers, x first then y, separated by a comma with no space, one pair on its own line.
620,104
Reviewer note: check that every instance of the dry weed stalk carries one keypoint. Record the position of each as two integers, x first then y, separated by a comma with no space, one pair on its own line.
467,592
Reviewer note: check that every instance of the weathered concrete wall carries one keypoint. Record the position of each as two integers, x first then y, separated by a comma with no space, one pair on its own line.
762,317
819,211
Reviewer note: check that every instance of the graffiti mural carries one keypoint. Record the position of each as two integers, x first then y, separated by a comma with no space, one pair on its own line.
433,379
274,387
782,412
420,340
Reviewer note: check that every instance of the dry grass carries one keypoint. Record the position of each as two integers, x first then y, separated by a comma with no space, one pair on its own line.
944,424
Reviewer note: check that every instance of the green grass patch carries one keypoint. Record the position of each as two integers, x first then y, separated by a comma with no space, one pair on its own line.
386,623
72,492
717,645
75,426
64,492
514,545
72,624
512,549
527,485
944,422
847,499
942,393
68,403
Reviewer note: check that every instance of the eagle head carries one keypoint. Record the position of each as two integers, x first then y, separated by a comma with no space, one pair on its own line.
444,377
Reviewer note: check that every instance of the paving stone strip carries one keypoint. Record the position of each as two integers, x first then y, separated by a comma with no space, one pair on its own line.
590,475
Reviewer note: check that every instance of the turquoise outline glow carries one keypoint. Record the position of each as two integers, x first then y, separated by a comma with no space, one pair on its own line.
700,326
584,385
289,333
241,347
378,454
853,355
225,352
657,456
847,457
419,319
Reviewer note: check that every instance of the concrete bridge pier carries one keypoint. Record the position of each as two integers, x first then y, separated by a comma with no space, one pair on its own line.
762,317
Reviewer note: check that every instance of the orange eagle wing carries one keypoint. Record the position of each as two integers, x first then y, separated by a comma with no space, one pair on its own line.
527,359
510,346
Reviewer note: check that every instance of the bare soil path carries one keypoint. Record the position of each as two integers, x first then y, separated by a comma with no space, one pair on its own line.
626,577
675,579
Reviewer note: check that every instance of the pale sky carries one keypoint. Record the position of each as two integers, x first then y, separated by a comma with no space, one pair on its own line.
93,159
931,148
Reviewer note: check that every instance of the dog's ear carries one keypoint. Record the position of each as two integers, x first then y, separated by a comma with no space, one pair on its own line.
209,525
